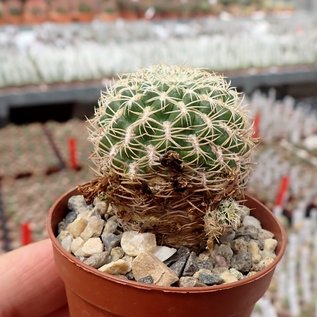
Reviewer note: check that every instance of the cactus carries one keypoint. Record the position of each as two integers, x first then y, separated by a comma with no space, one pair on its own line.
226,217
170,143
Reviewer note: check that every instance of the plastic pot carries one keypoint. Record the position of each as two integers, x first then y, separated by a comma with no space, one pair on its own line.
96,294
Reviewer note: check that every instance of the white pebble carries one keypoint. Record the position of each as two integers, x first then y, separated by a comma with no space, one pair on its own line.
163,253
252,221
133,243
66,242
92,246
77,227
254,249
117,268
270,245
76,244
93,229
228,277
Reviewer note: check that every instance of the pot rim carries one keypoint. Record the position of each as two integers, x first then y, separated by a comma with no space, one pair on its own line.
166,289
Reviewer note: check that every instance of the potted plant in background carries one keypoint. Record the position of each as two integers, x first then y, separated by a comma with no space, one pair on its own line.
128,9
2,20
59,11
84,10
173,9
35,11
172,149
108,11
14,12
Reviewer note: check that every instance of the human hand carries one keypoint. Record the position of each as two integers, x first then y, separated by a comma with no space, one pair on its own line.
29,283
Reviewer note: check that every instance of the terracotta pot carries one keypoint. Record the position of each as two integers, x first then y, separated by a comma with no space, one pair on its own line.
92,293
59,17
108,17
35,12
129,15
83,17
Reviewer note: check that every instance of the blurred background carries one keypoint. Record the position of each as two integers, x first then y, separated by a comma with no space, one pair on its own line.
56,57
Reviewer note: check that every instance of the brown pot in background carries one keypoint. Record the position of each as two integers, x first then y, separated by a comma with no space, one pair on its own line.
35,12
13,12
108,17
96,294
83,17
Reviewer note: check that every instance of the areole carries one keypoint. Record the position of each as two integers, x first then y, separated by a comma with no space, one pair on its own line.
92,293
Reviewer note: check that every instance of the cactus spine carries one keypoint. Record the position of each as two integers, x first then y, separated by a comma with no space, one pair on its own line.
170,143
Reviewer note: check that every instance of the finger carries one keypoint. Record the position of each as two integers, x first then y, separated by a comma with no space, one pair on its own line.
29,283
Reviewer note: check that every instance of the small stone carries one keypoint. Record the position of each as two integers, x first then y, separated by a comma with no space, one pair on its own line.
223,250
77,227
128,259
92,246
228,237
265,234
220,261
243,211
93,229
87,214
77,203
182,252
100,206
191,265
251,273
76,244
262,264
252,221
97,260
133,243
242,262
116,254
146,264
239,245
130,276
119,267
204,256
208,278
67,242
254,249
70,217
206,264
146,280
179,265
196,275
236,273
248,232
266,254
111,225
228,277
260,243
219,270
270,245
62,235
163,253
110,240
189,281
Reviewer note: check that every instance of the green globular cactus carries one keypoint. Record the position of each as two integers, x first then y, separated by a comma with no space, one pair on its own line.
170,143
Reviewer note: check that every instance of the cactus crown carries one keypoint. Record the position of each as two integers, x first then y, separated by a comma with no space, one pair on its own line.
168,108
170,133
